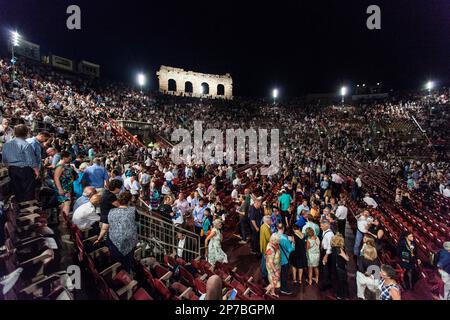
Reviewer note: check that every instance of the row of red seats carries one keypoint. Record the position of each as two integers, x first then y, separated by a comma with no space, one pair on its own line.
31,246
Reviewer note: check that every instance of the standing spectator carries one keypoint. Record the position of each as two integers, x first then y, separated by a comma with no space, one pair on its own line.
6,132
168,176
311,224
132,185
313,255
207,223
78,183
299,260
362,228
300,208
284,201
144,181
338,265
53,157
367,264
186,247
376,231
37,142
286,248
213,245
109,201
273,264
264,239
96,176
23,169
165,209
389,289
327,235
182,204
122,231
198,213
341,215
255,215
63,182
443,265
407,252
154,196
243,220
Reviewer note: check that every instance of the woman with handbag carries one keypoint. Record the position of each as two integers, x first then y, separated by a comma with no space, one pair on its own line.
407,252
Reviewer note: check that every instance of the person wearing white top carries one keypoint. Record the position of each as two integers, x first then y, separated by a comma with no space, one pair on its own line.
370,201
168,176
446,192
362,223
236,182
86,214
326,247
181,203
341,215
235,195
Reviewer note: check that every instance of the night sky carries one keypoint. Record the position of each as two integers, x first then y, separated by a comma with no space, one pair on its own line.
298,46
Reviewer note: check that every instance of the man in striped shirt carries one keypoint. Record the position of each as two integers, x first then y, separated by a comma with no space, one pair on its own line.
23,168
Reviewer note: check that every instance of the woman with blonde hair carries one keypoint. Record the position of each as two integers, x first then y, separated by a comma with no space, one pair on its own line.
273,264
213,245
368,240
338,265
313,255
367,264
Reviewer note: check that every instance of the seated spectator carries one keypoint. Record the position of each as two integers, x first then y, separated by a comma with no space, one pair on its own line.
85,215
88,192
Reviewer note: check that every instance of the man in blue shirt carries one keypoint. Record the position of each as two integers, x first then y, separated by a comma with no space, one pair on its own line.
302,220
96,176
23,168
303,206
198,214
36,143
286,248
88,192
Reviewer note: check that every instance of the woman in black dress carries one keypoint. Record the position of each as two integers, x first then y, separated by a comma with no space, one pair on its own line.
299,261
338,266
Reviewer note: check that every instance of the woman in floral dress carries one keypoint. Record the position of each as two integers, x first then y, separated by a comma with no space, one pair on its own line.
213,243
62,182
273,264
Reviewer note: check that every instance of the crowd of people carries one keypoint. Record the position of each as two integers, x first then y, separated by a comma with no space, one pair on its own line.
56,137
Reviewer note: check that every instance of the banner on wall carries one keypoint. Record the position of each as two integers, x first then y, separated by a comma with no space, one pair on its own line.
89,68
62,63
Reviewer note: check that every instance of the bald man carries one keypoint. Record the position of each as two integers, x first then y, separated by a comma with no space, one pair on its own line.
86,215
214,288
87,193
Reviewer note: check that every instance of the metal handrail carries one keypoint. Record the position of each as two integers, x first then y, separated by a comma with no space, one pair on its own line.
167,233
